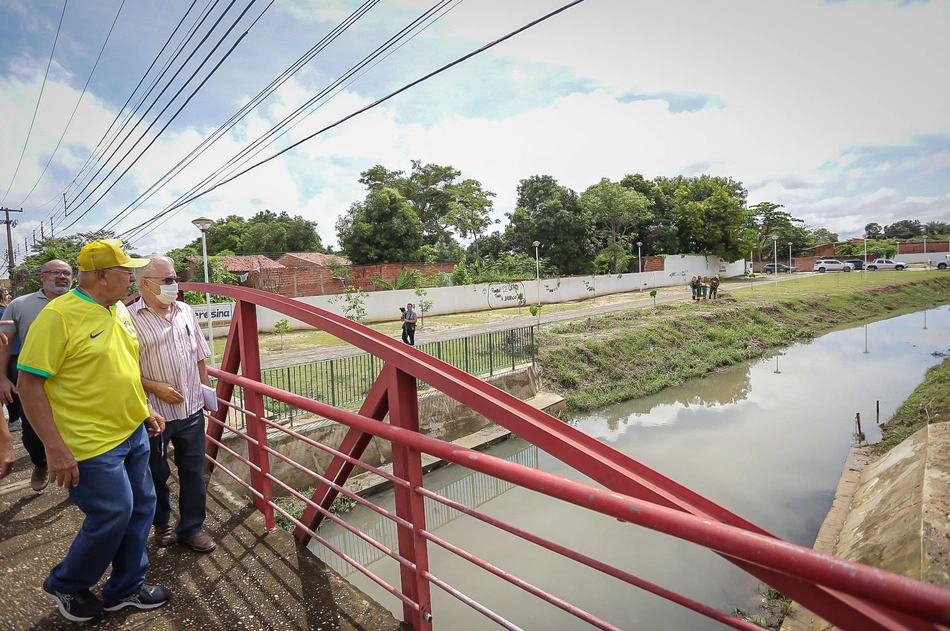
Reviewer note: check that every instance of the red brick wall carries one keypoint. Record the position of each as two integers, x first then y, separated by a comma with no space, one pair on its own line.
918,248
297,282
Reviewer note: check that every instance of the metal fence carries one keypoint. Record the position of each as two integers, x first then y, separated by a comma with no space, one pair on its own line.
346,380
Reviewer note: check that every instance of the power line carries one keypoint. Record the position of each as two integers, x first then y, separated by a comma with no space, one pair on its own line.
378,102
75,109
259,143
153,104
177,112
37,108
257,146
132,94
246,109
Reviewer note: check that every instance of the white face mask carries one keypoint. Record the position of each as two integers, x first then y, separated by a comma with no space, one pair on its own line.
167,294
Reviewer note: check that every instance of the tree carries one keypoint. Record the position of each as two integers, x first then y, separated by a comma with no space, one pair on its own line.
937,228
471,211
281,327
266,232
442,203
429,190
769,220
617,209
380,177
711,217
822,236
26,276
551,214
381,229
904,229
873,231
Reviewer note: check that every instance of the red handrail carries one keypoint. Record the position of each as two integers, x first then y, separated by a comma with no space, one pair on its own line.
850,595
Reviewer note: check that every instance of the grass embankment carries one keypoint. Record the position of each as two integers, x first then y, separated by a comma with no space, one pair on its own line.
929,403
630,354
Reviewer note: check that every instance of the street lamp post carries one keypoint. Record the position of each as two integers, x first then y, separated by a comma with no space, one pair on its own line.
537,267
202,223
639,266
775,256
789,257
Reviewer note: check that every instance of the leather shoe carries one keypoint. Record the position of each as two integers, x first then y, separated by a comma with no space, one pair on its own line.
165,535
40,478
200,543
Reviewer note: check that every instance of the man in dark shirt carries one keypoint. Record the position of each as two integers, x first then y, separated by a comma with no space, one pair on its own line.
409,325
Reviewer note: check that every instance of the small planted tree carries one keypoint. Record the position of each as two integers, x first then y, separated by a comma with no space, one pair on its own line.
354,301
424,305
282,326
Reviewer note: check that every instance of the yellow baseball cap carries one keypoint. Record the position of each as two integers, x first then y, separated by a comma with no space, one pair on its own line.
107,253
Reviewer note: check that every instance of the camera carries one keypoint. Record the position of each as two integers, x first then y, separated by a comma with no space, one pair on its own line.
403,309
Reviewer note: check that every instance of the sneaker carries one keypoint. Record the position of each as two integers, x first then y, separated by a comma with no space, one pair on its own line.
15,426
78,606
148,597
40,478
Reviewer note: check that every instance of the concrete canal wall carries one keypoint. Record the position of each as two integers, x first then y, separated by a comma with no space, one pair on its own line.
891,513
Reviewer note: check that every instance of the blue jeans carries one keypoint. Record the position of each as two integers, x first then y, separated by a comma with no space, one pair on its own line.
188,438
116,494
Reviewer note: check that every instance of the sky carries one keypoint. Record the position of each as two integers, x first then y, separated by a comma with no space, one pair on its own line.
838,110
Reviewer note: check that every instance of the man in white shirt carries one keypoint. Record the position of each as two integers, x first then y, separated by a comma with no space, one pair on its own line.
172,354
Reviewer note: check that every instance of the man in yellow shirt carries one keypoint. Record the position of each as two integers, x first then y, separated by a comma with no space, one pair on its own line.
81,387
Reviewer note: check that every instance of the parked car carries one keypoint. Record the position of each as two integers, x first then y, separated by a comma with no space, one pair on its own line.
942,264
831,265
856,264
769,268
885,264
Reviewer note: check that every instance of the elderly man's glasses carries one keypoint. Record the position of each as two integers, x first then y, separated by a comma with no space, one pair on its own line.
59,272
165,280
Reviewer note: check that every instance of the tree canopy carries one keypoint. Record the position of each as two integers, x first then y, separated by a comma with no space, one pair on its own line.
445,205
267,233
26,276
382,229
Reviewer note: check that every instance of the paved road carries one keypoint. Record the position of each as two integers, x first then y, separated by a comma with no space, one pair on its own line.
630,300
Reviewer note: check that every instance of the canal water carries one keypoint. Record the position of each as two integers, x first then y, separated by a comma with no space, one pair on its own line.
766,439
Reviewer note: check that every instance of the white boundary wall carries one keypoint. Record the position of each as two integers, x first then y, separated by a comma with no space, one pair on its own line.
384,305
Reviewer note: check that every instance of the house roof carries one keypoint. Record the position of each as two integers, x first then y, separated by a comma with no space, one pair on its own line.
248,263
295,259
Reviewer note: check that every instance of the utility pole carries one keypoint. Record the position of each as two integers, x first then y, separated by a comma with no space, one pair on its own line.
10,261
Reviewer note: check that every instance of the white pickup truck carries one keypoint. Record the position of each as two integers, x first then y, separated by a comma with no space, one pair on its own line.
942,264
885,264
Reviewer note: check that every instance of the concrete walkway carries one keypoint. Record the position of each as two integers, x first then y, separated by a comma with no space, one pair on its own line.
252,581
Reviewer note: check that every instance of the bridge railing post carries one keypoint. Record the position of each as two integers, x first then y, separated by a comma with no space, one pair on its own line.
254,403
407,464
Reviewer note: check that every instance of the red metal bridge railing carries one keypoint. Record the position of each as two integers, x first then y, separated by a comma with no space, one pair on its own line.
847,594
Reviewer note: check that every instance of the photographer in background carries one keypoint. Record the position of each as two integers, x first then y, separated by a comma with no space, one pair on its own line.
408,325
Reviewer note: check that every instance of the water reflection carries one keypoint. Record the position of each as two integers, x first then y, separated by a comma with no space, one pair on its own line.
456,483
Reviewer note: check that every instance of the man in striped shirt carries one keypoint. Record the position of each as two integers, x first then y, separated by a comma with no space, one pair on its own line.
172,354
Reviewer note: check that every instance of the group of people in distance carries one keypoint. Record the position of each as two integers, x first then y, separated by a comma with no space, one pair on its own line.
100,390
704,287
